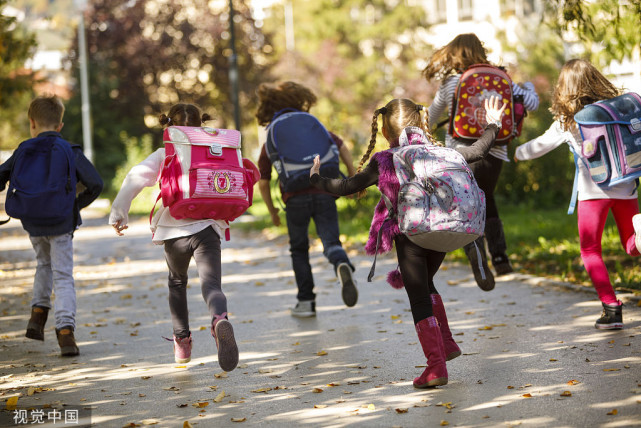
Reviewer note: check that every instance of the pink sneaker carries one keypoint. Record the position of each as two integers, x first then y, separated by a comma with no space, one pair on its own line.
182,349
223,332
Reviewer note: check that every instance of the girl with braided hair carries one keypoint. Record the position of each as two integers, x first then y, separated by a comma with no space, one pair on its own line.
417,265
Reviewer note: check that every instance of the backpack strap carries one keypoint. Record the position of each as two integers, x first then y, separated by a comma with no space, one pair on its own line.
391,213
575,184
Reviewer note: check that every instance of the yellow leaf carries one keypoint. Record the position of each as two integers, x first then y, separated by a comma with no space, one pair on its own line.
12,402
444,423
401,410
611,370
528,395
320,406
259,283
31,391
394,317
126,296
201,404
317,390
566,394
202,327
150,421
553,359
220,375
262,390
371,407
510,387
613,412
186,424
321,353
238,419
296,344
334,384
180,367
219,397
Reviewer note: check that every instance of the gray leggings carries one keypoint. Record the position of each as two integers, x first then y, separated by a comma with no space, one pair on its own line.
204,247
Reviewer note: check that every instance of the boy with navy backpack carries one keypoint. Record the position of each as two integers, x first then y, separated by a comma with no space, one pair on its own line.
42,175
294,138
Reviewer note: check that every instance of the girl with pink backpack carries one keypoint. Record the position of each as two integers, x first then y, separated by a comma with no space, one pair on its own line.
183,238
405,121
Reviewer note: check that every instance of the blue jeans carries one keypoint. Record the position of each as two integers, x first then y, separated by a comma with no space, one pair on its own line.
300,209
54,273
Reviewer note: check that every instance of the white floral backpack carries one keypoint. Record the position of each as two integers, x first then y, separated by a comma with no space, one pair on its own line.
440,206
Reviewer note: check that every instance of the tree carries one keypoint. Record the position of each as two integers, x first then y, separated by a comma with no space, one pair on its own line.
16,47
146,55
356,55
609,29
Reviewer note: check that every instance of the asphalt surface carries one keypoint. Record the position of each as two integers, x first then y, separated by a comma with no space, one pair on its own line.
531,355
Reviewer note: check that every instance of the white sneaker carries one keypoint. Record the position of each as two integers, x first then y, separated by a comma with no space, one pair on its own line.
636,223
304,309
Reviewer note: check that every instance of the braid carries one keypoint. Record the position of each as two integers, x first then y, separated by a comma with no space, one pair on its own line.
426,128
370,147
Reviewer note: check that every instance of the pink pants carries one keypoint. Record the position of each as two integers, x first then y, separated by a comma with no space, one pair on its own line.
591,217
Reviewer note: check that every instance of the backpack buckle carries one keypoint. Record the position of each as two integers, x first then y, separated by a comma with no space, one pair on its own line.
635,124
216,150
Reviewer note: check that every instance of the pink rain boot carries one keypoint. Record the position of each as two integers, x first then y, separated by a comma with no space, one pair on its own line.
182,349
451,348
429,335
223,332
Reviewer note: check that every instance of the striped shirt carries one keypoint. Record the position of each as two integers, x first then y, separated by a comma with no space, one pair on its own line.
445,94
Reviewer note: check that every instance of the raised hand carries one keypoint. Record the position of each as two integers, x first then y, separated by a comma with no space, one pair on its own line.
493,113
316,167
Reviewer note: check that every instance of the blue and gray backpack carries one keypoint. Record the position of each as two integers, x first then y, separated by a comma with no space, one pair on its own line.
42,185
294,139
611,148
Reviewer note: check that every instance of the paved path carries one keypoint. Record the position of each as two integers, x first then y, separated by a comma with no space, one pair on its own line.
531,357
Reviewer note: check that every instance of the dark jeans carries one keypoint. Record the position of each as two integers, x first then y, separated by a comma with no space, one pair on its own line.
487,171
300,209
418,267
204,247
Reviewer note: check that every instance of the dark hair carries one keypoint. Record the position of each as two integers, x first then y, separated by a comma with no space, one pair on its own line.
455,57
397,115
579,84
183,114
46,111
272,99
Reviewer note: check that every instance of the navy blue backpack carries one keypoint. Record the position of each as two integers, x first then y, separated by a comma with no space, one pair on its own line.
42,186
294,139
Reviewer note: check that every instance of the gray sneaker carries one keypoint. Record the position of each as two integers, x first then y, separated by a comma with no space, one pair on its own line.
304,309
348,285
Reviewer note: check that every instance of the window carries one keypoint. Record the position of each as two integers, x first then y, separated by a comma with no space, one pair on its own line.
465,10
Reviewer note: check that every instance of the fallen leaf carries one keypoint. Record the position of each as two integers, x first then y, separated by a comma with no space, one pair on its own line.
12,403
444,423
320,406
238,419
371,407
145,377
321,353
401,410
219,397
510,387
611,370
334,384
553,359
150,422
31,391
317,390
395,317
262,390
220,375
613,412
180,367
573,382
528,395
566,394
186,424
201,404
263,371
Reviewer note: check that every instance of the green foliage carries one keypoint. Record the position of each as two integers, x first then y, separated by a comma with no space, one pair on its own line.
609,29
17,45
136,151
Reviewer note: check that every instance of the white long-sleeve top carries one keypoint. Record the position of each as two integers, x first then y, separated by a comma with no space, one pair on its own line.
163,225
587,189
445,94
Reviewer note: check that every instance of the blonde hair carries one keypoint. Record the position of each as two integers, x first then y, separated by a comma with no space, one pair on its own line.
579,84
455,57
397,115
272,99
46,111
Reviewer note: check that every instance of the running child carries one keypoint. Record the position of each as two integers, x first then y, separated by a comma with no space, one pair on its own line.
580,84
448,64
417,265
182,240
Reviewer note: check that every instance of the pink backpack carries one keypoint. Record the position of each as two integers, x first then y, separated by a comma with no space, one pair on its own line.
204,175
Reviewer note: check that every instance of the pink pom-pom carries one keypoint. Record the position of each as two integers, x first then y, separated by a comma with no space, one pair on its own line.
395,280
